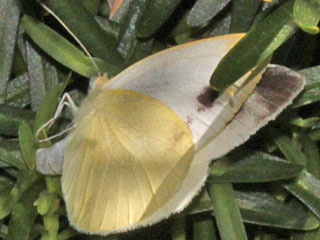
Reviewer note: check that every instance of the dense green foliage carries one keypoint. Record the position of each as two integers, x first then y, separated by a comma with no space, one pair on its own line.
271,183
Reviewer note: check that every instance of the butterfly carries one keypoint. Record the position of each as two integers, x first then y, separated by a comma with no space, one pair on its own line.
143,141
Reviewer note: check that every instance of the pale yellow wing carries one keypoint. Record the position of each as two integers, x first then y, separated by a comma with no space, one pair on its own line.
127,156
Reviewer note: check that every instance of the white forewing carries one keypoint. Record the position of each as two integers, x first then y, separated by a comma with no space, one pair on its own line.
177,77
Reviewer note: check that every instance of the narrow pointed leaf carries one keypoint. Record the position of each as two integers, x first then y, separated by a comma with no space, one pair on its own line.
24,213
27,145
127,38
242,15
154,16
305,123
226,211
307,189
203,228
11,117
24,181
312,76
84,26
222,27
108,26
311,94
311,151
265,210
265,37
7,157
9,19
63,51
204,10
36,77
256,167
18,94
12,146
289,150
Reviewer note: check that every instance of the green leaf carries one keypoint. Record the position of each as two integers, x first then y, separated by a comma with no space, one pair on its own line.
205,10
312,75
154,16
128,40
314,135
92,6
36,77
63,51
257,46
288,149
27,145
18,91
9,158
24,181
226,211
242,15
11,117
307,189
305,123
108,26
19,66
307,97
203,228
311,94
182,31
222,26
307,15
178,229
24,213
9,19
311,151
256,167
140,51
84,26
12,146
264,209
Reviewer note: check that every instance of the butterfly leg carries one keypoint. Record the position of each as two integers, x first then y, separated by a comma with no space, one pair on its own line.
66,101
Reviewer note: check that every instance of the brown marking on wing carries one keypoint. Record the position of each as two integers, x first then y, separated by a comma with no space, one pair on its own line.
206,98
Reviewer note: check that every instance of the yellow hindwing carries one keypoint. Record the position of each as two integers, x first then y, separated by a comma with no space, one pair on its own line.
128,155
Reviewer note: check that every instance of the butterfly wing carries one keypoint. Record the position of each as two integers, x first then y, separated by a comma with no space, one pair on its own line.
126,158
139,153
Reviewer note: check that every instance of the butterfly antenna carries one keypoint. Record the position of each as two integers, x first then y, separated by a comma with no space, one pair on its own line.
72,34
